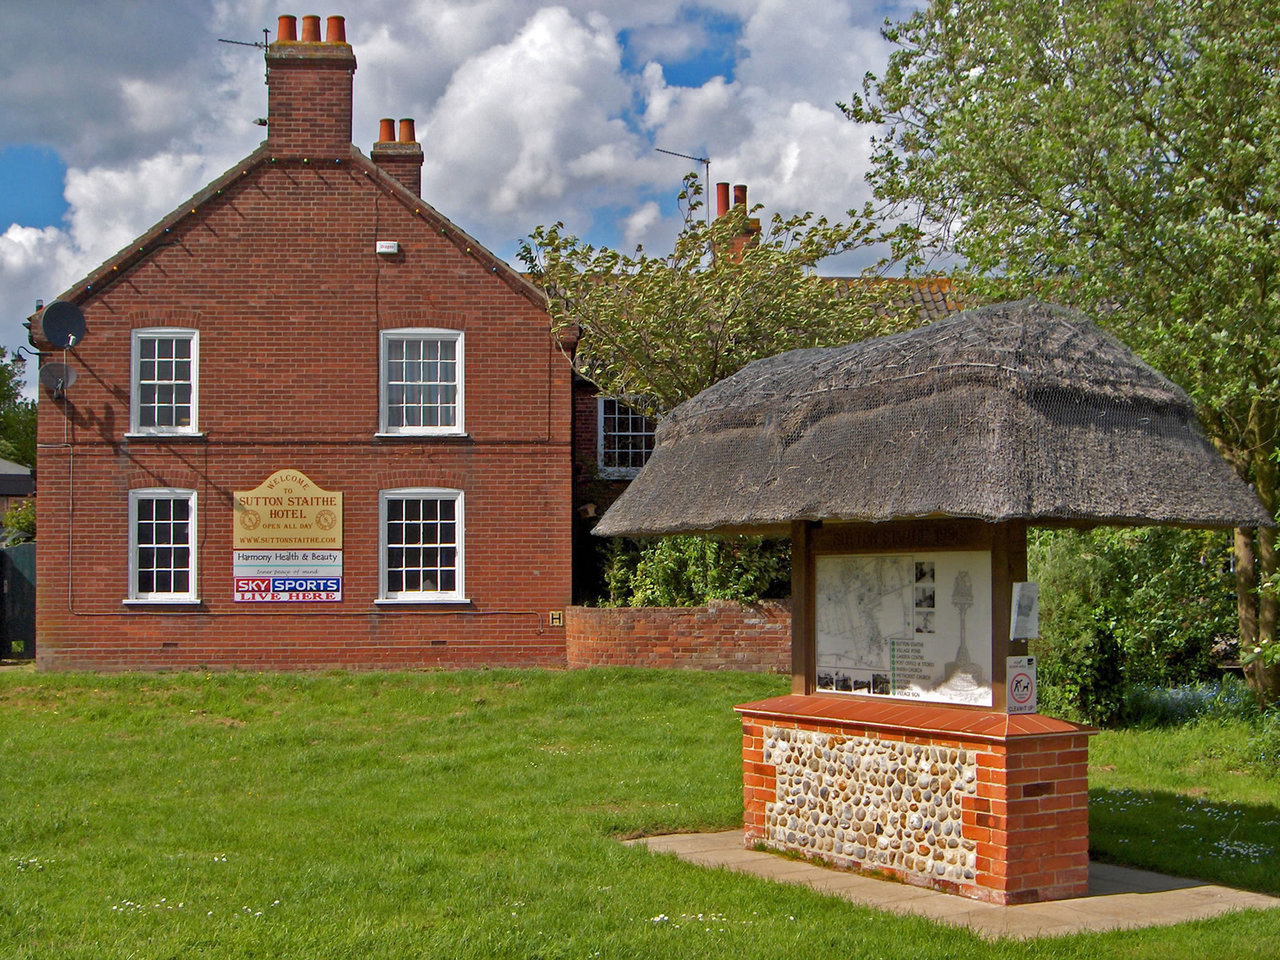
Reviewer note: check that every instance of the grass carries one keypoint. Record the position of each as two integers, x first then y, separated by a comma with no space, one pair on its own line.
475,815
1180,800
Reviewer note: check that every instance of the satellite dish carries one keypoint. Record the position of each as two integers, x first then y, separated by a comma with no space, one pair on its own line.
57,377
63,324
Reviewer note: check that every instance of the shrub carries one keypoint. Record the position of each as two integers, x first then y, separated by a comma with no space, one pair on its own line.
1080,675
20,522
690,571
1148,706
1155,599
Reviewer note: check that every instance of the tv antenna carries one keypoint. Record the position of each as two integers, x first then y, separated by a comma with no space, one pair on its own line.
260,45
706,166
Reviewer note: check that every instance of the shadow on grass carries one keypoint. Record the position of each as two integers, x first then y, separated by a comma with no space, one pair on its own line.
1235,844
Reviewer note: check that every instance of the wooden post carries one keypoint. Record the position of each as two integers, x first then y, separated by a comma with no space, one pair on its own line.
1008,566
802,608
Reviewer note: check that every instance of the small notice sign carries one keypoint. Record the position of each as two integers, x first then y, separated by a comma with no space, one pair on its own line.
1020,685
1025,622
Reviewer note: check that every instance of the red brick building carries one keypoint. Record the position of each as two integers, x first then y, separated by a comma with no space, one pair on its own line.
313,424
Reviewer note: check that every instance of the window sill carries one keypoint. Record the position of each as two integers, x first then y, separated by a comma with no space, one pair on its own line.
193,435
422,601
451,435
166,602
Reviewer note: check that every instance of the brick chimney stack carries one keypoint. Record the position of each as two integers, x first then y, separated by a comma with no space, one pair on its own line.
400,158
309,89
751,229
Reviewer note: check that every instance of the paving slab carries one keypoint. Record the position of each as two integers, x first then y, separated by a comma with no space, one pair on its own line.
1118,898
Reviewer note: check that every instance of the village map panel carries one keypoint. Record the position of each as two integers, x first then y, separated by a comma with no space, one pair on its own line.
912,625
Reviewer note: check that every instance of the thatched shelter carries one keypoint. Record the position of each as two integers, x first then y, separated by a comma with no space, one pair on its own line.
1019,410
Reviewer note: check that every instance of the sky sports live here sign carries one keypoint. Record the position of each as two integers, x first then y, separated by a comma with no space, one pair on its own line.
288,576
287,542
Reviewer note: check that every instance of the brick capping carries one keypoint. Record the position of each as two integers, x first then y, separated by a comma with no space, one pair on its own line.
907,717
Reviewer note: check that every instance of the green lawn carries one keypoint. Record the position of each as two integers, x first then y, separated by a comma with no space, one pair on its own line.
475,815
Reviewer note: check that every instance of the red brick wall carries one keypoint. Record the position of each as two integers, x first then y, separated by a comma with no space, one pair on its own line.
586,437
723,636
279,275
310,91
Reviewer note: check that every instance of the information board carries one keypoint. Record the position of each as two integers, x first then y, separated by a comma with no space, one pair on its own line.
911,625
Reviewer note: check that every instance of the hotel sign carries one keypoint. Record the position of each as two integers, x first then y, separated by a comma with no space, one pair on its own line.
287,512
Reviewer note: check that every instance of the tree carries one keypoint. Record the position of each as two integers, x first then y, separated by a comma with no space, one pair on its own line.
657,330
17,416
1124,157
660,329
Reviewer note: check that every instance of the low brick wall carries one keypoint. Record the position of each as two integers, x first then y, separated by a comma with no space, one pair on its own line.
991,807
722,636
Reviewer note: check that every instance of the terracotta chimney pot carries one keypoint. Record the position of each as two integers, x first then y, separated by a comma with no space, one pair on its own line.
386,130
740,195
335,30
311,28
287,29
722,198
406,131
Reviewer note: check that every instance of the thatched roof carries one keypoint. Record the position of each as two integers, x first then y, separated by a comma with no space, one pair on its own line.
1018,410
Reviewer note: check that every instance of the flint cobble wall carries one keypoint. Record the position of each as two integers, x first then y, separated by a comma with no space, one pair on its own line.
880,803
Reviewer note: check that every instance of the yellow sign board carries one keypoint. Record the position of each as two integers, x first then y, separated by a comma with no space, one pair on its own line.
287,512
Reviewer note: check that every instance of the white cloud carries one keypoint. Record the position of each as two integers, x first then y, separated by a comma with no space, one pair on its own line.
811,50
26,254
514,119
528,113
111,207
640,224
708,117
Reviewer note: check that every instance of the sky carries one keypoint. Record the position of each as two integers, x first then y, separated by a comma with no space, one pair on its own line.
113,113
